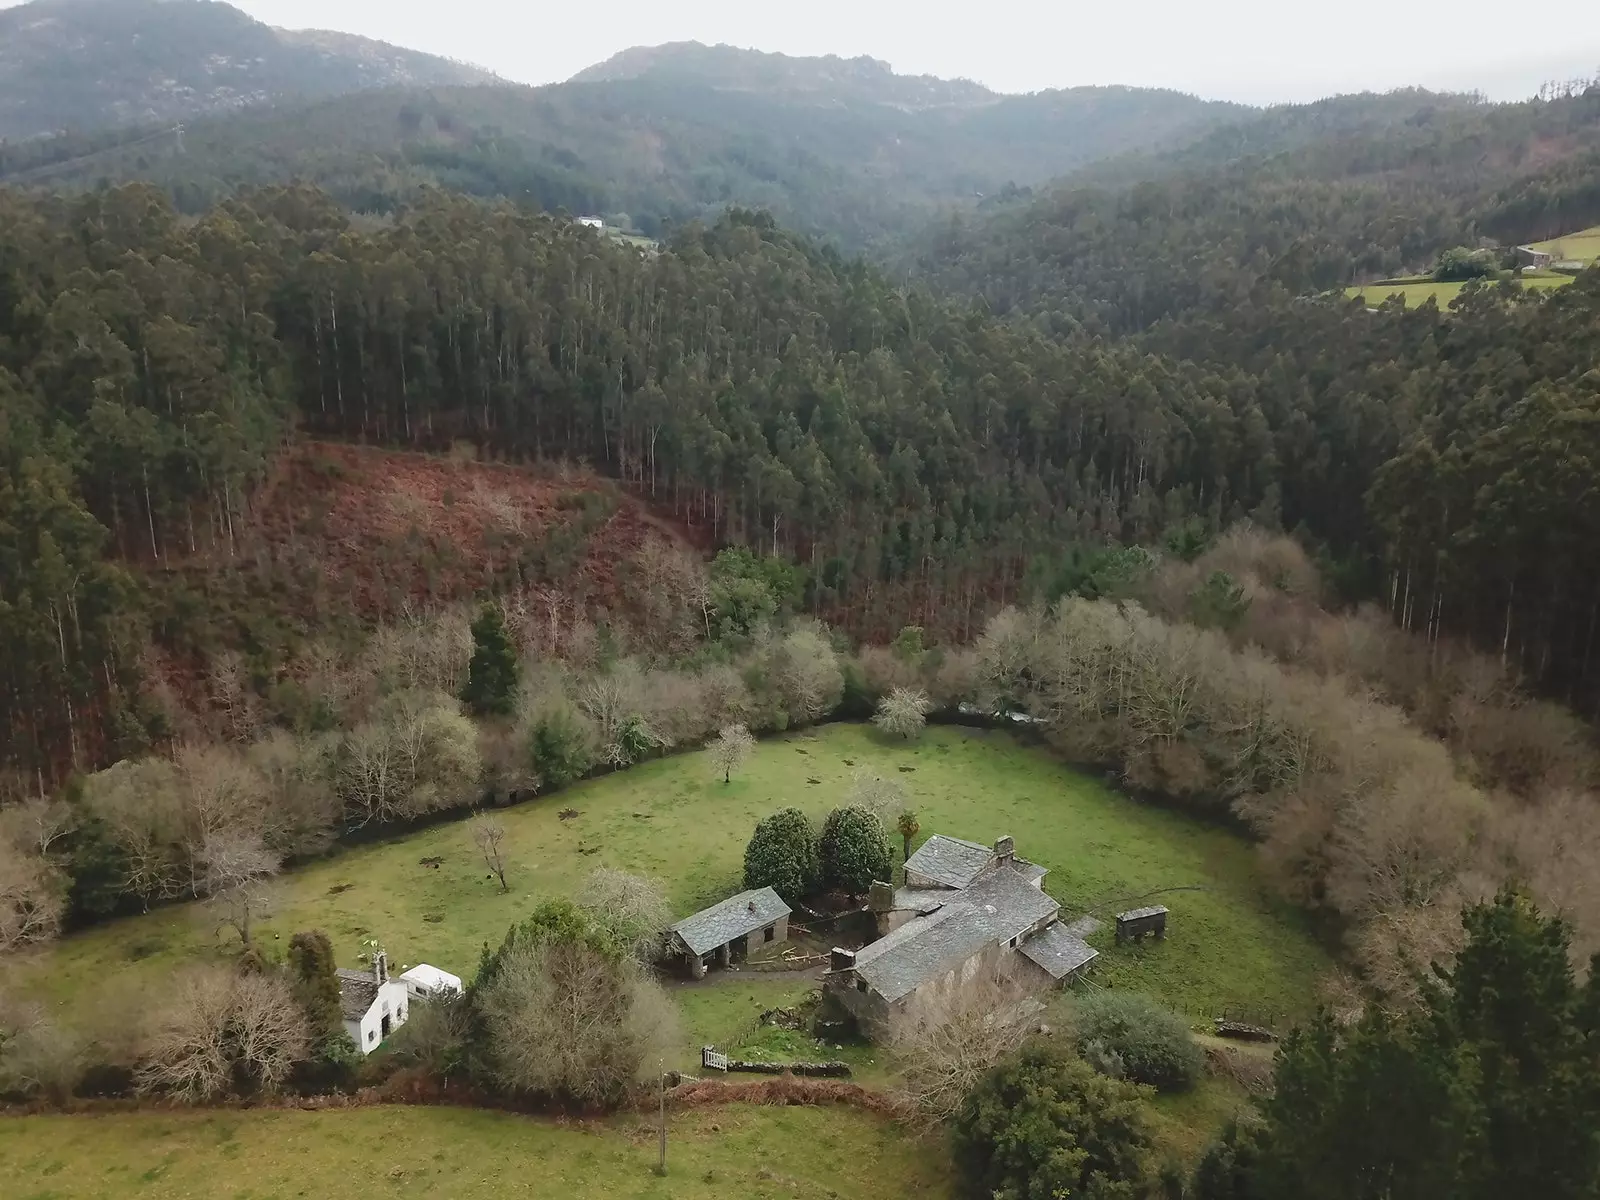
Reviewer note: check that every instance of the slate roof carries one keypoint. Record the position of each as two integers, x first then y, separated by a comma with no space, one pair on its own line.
999,906
950,861
922,900
735,917
1060,953
1134,914
357,991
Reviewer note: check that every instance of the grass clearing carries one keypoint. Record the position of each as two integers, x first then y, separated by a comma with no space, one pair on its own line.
1231,947
1444,294
735,1150
1583,246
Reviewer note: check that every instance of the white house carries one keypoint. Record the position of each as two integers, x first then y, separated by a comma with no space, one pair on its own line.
424,982
374,1005
592,222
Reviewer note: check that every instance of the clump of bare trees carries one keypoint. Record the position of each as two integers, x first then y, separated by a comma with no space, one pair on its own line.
32,885
220,1032
563,1014
629,908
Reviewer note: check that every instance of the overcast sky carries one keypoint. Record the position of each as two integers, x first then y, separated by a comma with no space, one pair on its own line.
1251,50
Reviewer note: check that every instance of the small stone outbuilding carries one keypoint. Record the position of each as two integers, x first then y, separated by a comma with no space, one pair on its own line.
731,930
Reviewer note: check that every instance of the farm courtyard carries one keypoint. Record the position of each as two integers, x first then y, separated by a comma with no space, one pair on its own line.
1231,948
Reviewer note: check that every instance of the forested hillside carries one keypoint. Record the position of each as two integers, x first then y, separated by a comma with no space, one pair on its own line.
916,457
852,156
1292,200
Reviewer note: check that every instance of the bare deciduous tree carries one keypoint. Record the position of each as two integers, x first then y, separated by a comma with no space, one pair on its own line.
142,806
489,837
217,1032
730,749
237,873
564,1020
903,712
37,1056
631,908
417,754
884,798
953,1039
32,891
809,675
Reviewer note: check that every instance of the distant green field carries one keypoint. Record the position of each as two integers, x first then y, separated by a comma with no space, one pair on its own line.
1443,293
1231,946
733,1150
1583,246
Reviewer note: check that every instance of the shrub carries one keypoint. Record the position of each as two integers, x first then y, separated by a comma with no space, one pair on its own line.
1151,1044
852,851
559,747
782,855
1044,1124
562,1011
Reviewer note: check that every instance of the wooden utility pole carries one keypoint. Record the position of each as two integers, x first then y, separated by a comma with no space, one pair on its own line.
661,1166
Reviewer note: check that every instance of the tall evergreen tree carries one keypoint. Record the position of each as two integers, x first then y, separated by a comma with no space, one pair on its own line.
492,674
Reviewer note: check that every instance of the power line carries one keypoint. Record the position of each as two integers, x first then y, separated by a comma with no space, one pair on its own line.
47,168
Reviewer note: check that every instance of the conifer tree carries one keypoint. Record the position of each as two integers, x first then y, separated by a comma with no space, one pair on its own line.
492,673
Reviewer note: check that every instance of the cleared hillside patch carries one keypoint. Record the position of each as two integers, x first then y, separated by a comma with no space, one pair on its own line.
428,897
1444,294
1582,246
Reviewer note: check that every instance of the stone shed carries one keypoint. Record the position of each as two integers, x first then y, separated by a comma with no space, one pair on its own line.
730,930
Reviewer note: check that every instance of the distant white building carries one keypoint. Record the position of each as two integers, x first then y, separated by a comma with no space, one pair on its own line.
592,222
424,982
373,1005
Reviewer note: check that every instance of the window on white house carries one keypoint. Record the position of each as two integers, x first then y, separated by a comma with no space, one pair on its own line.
371,1033
767,935
1013,943
861,985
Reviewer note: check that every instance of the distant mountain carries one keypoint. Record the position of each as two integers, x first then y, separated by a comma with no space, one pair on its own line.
826,80
89,64
845,149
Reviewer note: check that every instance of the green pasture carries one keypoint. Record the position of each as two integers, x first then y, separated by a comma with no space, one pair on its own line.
730,1150
1583,246
428,898
1421,290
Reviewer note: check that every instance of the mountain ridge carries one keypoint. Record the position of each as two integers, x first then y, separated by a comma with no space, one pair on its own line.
85,65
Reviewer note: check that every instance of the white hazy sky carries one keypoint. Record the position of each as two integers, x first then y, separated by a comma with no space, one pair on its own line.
1251,50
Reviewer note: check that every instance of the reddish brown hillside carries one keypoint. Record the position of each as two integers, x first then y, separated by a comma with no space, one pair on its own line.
345,536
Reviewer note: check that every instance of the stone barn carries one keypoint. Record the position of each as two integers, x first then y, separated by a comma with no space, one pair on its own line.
967,912
731,930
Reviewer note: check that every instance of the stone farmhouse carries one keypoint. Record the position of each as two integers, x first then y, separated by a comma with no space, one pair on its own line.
373,1005
730,931
966,912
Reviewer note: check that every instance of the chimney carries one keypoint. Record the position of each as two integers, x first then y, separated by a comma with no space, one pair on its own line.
841,959
1005,849
380,967
881,898
751,906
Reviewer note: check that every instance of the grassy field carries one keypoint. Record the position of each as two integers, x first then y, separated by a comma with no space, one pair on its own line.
436,1152
1583,246
1231,946
1443,293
